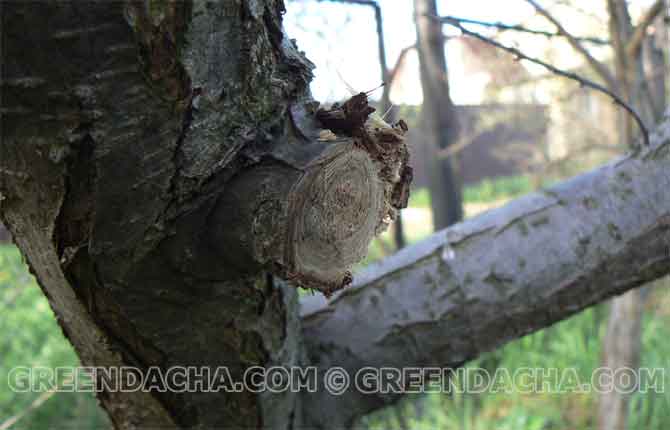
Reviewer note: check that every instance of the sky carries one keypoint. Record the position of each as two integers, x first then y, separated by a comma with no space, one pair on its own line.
341,41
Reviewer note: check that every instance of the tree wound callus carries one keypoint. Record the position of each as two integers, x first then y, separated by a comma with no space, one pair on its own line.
308,210
353,118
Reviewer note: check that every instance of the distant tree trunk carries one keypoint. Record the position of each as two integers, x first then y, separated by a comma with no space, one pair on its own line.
439,115
622,342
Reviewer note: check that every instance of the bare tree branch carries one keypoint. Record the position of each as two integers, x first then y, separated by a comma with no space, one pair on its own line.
599,67
393,73
520,28
358,2
570,75
635,42
574,7
452,150
495,277
35,404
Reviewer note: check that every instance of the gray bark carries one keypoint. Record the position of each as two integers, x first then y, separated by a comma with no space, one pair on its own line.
496,277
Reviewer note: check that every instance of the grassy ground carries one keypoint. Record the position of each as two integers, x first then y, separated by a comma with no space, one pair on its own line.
30,337
571,344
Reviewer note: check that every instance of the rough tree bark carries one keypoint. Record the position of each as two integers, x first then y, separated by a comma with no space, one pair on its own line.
439,115
498,276
153,158
157,159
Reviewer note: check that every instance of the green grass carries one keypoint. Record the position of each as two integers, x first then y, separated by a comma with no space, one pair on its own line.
499,188
570,344
32,338
485,191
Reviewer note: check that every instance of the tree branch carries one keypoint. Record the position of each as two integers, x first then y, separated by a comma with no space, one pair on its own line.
599,67
358,2
635,42
570,75
378,22
496,277
393,73
520,28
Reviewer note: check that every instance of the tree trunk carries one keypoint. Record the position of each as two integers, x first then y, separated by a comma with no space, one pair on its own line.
157,164
439,115
622,342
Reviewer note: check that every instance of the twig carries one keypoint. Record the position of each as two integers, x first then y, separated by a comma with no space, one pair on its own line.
570,75
520,28
34,405
451,150
372,3
399,62
572,40
558,162
570,4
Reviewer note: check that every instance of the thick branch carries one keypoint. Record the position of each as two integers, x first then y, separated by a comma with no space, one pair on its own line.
309,212
378,23
494,278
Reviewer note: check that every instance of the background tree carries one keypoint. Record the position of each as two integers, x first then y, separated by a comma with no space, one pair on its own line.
630,80
439,114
